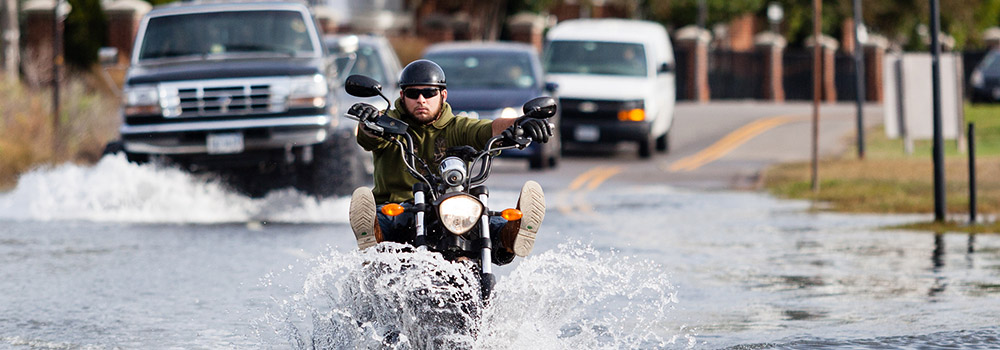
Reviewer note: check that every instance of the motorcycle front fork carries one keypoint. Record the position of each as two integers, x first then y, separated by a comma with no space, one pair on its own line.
487,280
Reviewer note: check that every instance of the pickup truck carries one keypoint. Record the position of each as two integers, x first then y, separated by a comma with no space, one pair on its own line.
242,90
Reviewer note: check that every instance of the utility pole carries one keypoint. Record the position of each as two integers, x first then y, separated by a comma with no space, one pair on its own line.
859,74
11,39
817,68
938,150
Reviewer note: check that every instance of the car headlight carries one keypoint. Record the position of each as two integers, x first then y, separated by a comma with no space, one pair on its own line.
508,113
977,79
142,100
460,213
307,92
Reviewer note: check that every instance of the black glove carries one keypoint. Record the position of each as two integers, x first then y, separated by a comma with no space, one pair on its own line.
537,129
364,112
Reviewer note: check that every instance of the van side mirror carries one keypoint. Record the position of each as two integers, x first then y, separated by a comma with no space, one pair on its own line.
108,56
665,67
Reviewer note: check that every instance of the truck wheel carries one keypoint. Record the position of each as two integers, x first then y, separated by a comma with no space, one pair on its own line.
336,169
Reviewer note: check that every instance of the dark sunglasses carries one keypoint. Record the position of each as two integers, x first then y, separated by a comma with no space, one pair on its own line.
426,92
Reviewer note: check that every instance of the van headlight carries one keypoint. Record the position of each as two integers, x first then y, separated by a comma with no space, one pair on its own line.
142,100
307,92
460,213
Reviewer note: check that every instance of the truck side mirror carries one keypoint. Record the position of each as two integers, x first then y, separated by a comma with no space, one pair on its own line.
108,56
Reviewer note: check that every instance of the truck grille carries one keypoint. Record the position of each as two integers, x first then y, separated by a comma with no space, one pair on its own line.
228,97
245,99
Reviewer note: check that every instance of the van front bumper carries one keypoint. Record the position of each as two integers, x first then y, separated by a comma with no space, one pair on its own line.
603,131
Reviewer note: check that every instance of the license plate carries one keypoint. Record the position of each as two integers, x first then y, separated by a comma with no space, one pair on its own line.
225,143
587,133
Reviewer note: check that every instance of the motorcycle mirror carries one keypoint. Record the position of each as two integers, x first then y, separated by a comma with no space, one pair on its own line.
540,107
362,86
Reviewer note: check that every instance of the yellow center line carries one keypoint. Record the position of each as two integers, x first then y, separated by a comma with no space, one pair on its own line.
578,205
730,142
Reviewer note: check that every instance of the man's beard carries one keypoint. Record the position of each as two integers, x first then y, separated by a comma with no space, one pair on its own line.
431,118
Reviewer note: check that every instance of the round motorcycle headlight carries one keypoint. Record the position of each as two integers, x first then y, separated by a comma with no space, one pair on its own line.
460,213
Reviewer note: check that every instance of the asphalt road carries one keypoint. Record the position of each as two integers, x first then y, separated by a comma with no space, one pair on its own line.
719,145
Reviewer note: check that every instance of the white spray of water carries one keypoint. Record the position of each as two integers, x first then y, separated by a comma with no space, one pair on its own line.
115,190
573,297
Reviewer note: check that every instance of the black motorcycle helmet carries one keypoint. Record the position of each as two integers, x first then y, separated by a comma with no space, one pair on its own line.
422,72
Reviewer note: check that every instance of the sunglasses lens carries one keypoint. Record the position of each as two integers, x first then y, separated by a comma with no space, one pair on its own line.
415,93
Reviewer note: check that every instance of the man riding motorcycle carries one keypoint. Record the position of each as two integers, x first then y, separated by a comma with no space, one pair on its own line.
434,128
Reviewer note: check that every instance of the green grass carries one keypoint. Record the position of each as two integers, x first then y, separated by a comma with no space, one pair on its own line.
891,181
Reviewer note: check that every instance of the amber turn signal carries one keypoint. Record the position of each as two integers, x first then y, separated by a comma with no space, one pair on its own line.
511,214
392,209
634,115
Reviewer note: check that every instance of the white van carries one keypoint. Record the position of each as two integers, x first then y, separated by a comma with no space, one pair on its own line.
616,81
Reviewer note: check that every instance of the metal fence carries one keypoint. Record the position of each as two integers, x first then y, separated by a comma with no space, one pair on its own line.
740,75
736,75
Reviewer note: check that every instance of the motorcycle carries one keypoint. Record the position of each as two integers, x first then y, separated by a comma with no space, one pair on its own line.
450,205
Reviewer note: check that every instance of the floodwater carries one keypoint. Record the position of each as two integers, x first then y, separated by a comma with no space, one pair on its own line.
119,256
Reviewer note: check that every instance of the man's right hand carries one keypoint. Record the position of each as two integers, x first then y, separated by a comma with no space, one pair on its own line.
365,112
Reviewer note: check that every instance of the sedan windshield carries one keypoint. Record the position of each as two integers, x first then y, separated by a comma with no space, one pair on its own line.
203,34
365,61
485,70
595,57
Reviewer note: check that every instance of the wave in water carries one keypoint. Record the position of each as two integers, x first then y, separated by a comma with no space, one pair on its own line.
115,190
573,297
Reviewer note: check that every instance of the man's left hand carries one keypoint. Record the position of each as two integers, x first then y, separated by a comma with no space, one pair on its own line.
537,129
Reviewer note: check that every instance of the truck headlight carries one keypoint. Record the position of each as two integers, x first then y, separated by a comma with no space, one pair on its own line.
460,213
307,92
142,100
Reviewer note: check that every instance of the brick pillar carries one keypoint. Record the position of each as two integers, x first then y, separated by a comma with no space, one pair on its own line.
829,48
875,48
695,42
123,24
772,46
527,28
38,37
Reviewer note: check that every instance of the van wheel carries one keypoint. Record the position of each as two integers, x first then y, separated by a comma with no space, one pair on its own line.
663,142
646,146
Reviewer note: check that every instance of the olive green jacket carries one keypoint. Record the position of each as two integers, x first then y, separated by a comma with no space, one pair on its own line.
393,184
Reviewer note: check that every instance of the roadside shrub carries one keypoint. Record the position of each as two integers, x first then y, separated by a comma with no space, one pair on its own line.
29,137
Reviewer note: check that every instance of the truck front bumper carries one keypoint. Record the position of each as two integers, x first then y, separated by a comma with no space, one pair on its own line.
258,134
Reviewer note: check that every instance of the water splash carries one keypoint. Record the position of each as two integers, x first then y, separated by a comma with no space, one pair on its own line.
573,297
115,190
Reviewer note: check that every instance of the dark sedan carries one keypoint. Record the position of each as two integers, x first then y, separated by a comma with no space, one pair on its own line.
985,79
492,80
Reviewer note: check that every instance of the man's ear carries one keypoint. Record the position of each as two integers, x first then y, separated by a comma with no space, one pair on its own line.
444,95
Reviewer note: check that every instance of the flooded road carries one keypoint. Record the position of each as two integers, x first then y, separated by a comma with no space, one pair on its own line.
122,256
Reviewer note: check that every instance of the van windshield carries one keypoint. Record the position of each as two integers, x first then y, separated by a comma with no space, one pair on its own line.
596,57
241,32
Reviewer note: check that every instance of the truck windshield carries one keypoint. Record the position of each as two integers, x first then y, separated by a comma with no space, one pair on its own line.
596,57
203,34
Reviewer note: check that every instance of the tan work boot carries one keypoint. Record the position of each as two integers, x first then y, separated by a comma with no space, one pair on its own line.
363,218
519,235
